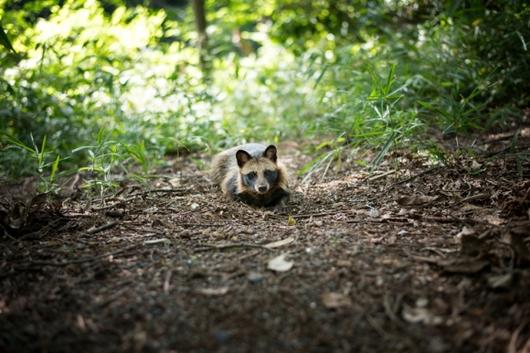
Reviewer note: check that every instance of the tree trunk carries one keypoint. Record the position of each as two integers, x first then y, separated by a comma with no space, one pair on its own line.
202,36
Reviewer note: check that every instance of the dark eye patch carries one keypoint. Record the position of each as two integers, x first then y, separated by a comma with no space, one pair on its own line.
250,178
271,176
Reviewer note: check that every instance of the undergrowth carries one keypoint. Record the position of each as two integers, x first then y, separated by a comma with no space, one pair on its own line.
109,91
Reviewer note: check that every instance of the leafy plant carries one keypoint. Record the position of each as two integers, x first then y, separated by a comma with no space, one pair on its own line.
341,74
45,166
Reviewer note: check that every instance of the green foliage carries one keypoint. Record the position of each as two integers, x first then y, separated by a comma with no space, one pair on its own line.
4,40
41,161
113,86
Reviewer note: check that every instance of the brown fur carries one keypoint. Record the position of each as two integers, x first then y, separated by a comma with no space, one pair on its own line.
229,175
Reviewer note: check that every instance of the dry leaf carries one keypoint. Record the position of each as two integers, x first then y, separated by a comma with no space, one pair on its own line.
475,165
374,213
465,231
72,187
420,315
277,244
494,220
175,182
500,281
279,264
333,300
416,200
213,291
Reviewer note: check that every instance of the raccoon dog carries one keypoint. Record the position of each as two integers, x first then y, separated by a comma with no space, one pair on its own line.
251,173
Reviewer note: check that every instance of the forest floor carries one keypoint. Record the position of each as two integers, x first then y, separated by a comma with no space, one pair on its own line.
412,258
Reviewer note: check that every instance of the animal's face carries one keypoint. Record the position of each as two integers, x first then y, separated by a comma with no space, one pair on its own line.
258,174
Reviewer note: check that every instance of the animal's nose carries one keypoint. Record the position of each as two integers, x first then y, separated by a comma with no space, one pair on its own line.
262,188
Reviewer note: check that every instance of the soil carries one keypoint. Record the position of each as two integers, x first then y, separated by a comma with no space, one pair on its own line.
413,257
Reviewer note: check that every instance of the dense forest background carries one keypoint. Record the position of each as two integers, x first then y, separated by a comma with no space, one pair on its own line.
114,86
404,127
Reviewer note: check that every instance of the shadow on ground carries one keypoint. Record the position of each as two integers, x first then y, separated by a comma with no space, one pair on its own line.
412,258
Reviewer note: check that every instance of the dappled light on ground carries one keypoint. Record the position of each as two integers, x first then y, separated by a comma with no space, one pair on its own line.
434,259
405,128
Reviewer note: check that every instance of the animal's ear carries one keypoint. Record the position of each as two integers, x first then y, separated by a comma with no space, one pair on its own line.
242,158
270,153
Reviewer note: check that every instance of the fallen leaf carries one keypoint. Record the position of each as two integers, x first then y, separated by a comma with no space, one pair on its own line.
213,291
374,213
416,200
291,221
494,220
469,208
475,165
403,212
277,244
72,187
279,264
420,315
344,263
175,182
500,281
465,231
333,300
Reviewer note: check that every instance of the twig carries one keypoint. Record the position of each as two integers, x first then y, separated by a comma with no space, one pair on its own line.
95,230
309,215
380,176
376,326
430,170
445,219
83,260
248,255
207,247
434,250
391,309
481,196
202,224
430,260
41,233
381,220
115,295
167,281
512,346
510,148
134,196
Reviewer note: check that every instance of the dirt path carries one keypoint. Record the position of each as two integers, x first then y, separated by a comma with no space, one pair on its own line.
413,258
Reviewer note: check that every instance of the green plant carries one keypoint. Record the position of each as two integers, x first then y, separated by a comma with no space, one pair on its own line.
103,158
42,161
341,74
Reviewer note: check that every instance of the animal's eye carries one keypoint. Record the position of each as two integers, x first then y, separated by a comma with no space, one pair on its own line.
251,175
271,175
